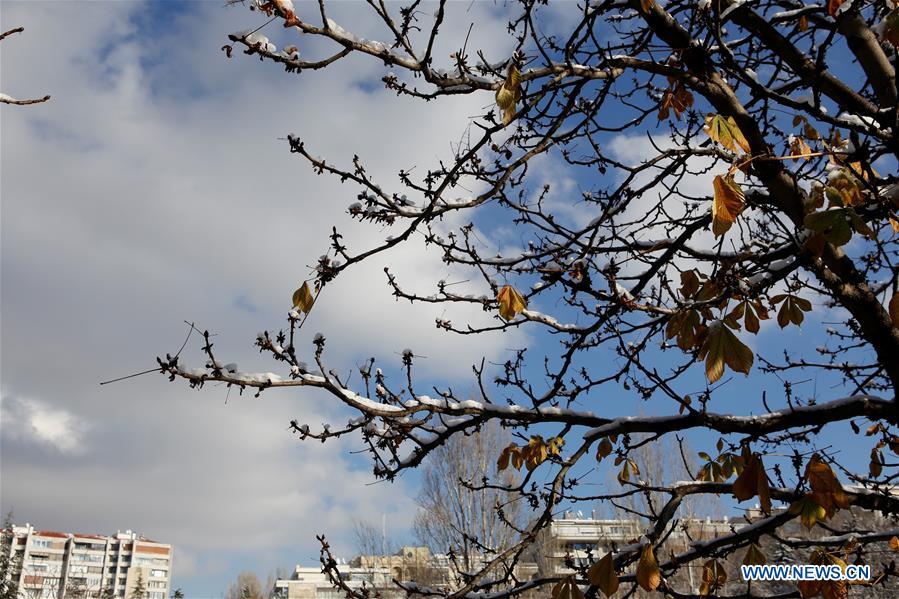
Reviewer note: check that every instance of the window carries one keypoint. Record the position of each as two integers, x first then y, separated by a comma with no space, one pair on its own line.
42,543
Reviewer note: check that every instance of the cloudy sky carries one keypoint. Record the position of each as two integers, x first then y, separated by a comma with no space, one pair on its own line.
156,187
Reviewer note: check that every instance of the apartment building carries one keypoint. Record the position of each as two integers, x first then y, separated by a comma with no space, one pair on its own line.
58,565
570,538
311,582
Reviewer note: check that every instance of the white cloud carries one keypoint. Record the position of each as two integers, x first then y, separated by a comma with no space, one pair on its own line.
32,421
154,188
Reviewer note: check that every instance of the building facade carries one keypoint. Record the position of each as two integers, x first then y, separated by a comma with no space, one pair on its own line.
58,565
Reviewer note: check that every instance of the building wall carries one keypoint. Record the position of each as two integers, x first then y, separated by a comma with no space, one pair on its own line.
56,565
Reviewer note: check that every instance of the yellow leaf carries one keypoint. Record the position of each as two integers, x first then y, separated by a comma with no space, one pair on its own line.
602,574
511,303
727,204
509,93
894,224
302,298
754,556
648,574
567,589
725,132
713,576
894,543
844,186
722,347
554,446
808,511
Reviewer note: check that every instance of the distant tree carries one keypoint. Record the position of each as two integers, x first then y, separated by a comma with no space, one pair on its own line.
76,588
108,590
247,586
177,594
139,589
9,562
458,512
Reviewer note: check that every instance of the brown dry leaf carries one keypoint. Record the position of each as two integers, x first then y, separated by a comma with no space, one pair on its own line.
792,309
722,347
511,303
894,224
509,93
646,5
285,9
303,299
511,454
894,543
686,325
689,283
826,489
753,481
604,449
875,466
676,97
727,204
648,574
894,309
567,589
799,149
602,574
725,132
809,588
803,23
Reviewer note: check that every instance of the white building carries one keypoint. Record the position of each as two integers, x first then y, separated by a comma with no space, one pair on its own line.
312,583
56,565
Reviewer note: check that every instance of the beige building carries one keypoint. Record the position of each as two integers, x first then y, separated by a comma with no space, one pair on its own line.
575,536
58,565
571,537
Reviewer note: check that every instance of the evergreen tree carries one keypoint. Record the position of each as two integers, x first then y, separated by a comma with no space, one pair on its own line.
139,590
9,566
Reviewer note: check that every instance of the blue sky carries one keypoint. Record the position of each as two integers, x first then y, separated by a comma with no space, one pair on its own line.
156,187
